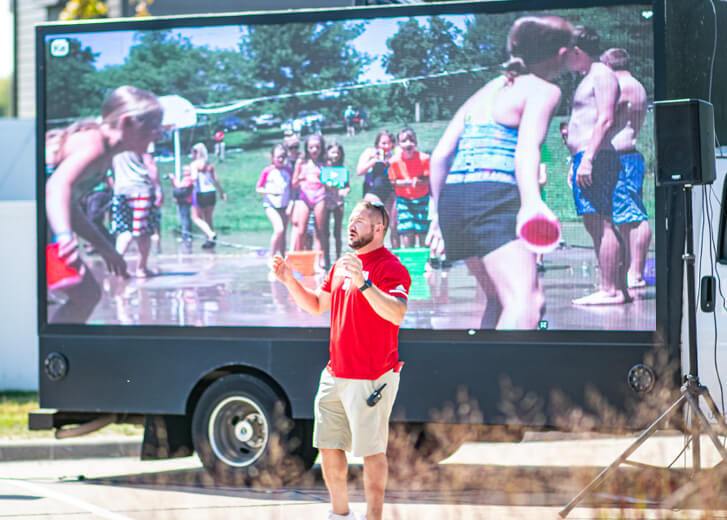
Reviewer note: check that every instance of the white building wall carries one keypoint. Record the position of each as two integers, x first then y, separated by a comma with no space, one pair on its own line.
19,304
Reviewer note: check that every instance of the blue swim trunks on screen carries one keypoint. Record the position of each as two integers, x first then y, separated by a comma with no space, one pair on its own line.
598,197
412,214
628,199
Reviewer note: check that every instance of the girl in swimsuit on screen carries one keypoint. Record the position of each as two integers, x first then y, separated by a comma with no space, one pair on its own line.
484,173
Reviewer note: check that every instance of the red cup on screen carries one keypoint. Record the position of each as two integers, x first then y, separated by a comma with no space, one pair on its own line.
58,274
540,233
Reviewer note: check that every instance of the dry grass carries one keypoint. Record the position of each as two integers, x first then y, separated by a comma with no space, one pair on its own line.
14,409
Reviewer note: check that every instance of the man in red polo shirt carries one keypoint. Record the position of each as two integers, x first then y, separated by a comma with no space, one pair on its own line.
366,292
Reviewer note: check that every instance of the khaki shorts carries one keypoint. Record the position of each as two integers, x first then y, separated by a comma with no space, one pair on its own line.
344,421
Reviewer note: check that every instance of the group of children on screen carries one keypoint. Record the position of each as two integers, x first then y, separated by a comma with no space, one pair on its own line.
307,188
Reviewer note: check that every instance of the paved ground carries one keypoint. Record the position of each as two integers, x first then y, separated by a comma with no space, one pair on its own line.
527,480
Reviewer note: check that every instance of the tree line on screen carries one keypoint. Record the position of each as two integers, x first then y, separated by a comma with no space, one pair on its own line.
272,60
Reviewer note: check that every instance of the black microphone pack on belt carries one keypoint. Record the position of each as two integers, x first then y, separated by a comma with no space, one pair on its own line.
375,396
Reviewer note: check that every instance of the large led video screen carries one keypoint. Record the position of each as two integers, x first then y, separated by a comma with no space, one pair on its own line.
512,150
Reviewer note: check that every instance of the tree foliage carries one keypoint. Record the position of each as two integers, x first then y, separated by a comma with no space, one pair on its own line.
301,58
81,9
272,61
421,50
5,98
84,9
71,83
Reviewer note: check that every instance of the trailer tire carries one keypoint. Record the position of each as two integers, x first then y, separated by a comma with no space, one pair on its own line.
242,434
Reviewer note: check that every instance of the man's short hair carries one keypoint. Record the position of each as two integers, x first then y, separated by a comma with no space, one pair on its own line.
616,59
587,40
376,207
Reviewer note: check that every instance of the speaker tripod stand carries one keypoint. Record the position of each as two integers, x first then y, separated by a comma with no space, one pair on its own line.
690,392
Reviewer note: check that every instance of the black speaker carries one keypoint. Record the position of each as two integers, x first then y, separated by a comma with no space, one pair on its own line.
684,142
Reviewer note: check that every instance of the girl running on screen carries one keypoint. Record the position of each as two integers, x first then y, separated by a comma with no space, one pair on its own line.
76,159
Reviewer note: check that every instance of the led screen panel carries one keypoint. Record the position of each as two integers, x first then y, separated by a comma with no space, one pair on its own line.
513,152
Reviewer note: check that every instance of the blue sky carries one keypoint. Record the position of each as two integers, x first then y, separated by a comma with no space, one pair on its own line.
113,49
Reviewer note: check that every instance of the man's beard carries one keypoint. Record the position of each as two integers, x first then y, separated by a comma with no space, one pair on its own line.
360,241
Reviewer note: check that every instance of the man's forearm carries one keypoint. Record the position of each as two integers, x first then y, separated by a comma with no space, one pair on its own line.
305,298
388,307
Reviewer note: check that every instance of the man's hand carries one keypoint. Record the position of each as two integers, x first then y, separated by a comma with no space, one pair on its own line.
434,239
583,175
282,270
353,267
533,209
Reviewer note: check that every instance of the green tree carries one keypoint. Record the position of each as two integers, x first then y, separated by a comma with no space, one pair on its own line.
485,43
80,9
418,50
167,63
70,86
304,57
625,27
5,97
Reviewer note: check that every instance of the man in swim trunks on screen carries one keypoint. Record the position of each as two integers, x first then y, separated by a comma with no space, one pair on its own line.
595,162
629,213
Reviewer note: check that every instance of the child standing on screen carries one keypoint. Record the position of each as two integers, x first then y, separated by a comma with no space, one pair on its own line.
206,187
335,196
373,164
77,157
274,186
311,194
136,193
182,192
409,173
484,172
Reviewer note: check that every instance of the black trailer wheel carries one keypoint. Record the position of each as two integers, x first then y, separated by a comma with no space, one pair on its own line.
242,434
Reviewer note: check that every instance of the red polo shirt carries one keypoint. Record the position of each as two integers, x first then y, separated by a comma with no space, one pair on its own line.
364,345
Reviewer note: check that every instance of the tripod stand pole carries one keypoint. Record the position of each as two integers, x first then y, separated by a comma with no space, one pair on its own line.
688,258
691,391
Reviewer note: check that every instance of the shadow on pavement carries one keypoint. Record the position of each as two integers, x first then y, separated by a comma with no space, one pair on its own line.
461,484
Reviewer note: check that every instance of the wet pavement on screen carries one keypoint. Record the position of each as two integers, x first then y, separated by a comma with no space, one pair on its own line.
233,287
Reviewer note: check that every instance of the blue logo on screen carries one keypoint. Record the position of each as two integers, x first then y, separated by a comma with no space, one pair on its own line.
543,325
59,48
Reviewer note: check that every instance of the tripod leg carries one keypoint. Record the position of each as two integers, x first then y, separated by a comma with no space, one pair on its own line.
603,475
706,426
715,412
696,447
